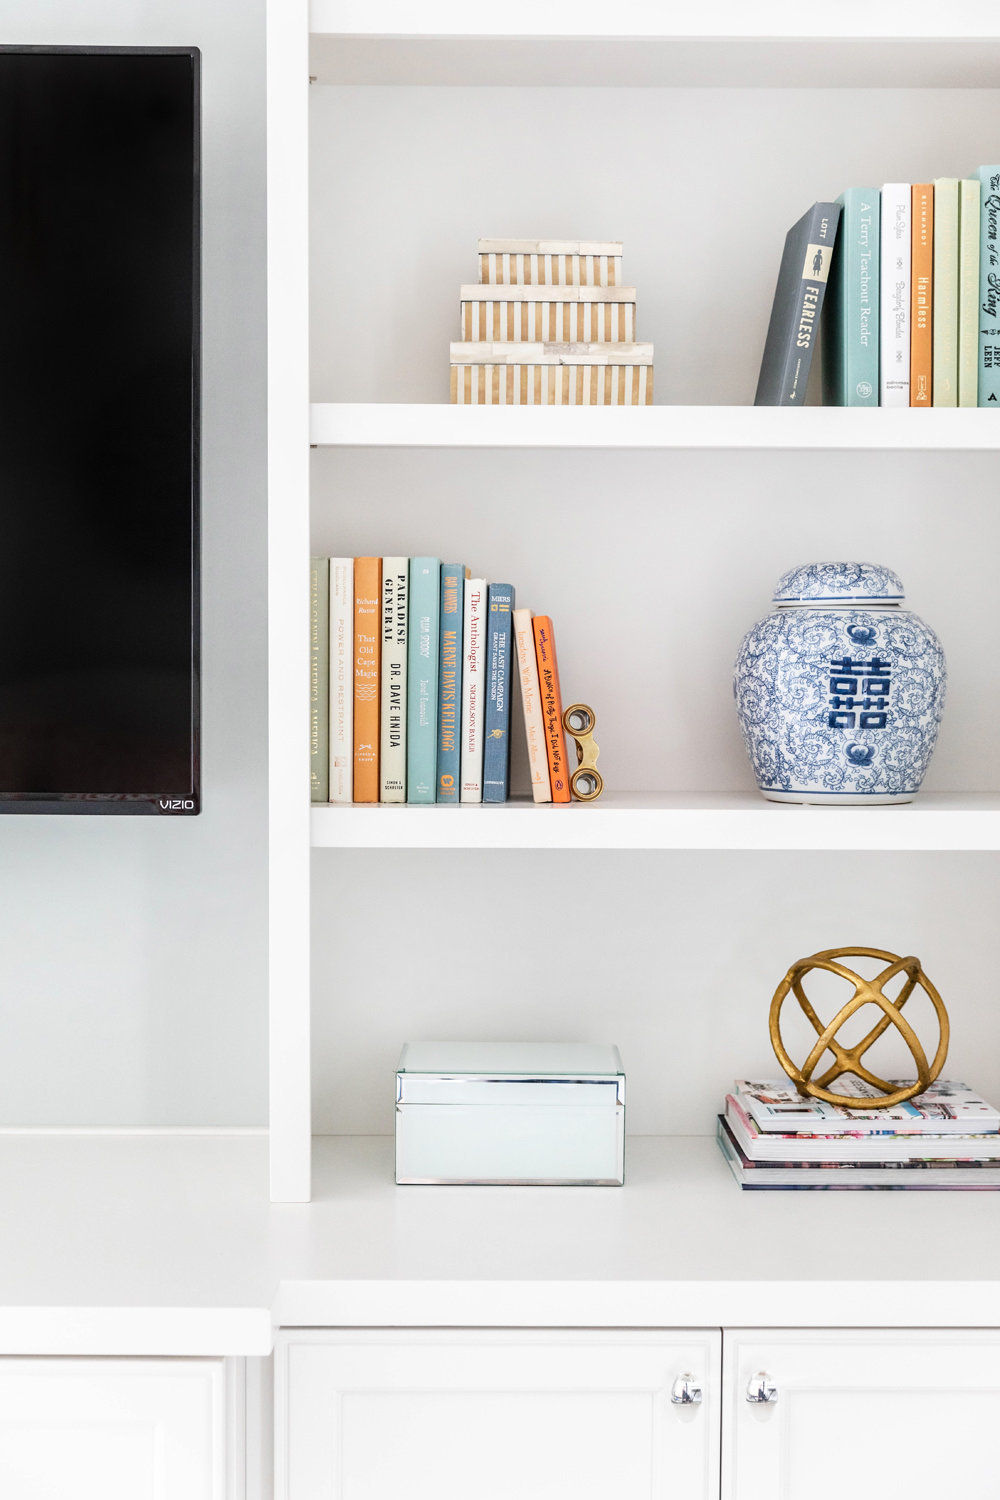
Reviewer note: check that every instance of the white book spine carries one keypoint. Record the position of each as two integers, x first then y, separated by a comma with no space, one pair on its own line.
341,679
395,598
531,702
894,346
471,768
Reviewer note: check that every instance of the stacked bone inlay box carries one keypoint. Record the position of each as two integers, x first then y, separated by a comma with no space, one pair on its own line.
550,324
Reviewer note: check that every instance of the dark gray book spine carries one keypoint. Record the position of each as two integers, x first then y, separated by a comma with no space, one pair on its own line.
798,299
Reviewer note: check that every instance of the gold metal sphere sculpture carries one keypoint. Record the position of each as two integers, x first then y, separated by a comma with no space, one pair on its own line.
847,1060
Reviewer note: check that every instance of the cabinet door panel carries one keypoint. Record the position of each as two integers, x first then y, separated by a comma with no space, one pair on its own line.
370,1416
111,1429
890,1412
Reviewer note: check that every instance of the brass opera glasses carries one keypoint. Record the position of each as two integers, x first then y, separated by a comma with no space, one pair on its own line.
848,1059
586,782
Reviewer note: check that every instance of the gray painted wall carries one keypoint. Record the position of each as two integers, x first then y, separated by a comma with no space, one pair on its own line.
132,950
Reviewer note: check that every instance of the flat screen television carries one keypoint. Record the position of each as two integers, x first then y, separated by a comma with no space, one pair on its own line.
99,430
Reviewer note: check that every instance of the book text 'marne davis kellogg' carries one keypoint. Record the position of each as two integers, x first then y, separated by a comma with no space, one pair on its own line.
412,667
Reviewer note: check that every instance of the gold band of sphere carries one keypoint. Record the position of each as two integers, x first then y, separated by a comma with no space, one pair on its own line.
847,1060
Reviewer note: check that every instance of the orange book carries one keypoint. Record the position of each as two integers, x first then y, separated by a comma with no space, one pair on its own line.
367,641
922,294
548,681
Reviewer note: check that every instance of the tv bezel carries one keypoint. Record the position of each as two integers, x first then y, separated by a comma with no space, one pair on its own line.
150,803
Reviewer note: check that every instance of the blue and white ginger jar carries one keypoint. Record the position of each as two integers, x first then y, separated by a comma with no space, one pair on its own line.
840,689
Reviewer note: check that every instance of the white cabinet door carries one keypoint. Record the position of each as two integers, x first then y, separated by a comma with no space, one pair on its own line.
499,1415
859,1411
112,1429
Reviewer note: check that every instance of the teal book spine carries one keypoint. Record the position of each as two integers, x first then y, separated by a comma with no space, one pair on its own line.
319,679
423,646
449,717
989,287
499,643
851,310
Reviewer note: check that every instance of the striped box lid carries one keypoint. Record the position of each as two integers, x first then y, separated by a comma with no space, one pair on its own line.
541,292
474,353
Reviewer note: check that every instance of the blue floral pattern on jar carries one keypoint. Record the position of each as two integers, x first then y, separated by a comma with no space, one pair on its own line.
842,702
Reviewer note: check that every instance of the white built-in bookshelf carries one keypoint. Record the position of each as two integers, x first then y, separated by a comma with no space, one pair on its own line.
697,137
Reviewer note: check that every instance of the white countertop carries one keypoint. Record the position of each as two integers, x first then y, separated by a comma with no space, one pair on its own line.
166,1244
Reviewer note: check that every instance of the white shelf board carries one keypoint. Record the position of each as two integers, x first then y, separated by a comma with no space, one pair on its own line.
352,424
146,1243
665,820
161,1244
679,1245
644,42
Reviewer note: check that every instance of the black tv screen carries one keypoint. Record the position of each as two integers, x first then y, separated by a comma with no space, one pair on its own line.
99,429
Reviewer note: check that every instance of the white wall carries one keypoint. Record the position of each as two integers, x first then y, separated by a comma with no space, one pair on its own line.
674,957
132,950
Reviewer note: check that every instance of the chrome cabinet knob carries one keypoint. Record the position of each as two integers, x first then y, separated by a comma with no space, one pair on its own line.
761,1389
685,1391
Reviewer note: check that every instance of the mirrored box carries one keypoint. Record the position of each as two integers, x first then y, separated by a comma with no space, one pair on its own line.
514,1113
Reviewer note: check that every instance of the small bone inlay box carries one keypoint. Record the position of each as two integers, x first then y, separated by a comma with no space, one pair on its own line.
500,374
550,262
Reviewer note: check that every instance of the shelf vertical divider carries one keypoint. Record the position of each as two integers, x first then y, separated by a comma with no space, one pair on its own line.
290,1109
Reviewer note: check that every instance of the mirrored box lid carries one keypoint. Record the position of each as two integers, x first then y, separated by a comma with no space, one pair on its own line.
514,1113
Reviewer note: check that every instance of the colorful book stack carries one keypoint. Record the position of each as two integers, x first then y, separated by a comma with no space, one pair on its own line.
413,664
908,280
947,1137
549,324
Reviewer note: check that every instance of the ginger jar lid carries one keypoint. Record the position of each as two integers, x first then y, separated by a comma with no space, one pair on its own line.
839,583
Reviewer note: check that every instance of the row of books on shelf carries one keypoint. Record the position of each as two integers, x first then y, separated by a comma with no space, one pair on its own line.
947,1137
905,283
412,666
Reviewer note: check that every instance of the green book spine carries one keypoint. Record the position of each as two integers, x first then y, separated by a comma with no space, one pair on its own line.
423,647
946,291
850,314
989,287
969,192
319,679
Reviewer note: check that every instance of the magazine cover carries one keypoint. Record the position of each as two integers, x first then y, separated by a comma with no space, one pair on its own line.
943,1109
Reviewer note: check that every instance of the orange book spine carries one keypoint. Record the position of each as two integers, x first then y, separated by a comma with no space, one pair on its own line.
922,295
367,641
548,681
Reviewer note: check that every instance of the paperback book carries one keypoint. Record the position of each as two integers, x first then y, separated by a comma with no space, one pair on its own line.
531,703
319,679
496,748
548,679
453,577
367,673
850,317
395,596
798,302
894,294
423,649
989,286
472,691
969,192
341,679
922,295
945,336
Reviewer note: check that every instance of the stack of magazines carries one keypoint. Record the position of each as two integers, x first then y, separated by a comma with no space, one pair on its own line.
947,1137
